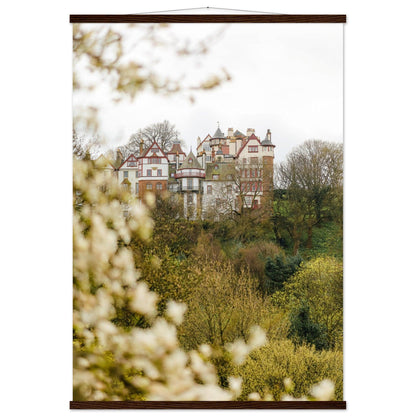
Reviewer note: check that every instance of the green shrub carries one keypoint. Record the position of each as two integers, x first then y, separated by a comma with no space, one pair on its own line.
278,270
266,369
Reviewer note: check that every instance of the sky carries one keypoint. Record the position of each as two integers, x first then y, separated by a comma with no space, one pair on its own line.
284,77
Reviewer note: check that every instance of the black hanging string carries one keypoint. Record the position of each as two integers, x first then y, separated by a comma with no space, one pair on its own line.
206,8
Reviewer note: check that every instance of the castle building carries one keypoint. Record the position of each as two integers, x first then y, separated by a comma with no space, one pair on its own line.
229,173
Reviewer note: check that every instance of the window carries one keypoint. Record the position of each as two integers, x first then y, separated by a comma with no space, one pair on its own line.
254,160
159,186
125,174
189,183
253,149
149,186
229,177
229,189
137,187
155,160
137,173
215,177
131,164
149,172
209,189
244,160
190,161
159,172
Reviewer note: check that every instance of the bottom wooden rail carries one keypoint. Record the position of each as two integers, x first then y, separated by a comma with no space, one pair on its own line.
207,405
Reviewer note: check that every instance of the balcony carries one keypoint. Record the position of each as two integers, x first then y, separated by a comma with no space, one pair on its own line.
190,173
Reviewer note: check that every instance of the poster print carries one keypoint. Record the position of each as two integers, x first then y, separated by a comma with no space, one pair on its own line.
208,200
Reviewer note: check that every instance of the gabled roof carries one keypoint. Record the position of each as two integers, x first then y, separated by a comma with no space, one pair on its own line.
127,159
104,160
252,137
238,133
200,144
145,154
176,148
190,165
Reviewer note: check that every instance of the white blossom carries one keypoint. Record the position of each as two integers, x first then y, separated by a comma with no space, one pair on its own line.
239,351
175,311
235,385
257,337
254,396
144,301
324,390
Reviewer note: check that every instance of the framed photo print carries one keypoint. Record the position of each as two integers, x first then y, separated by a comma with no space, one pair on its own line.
208,211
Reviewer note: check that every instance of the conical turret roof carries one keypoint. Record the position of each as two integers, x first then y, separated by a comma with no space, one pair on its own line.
218,134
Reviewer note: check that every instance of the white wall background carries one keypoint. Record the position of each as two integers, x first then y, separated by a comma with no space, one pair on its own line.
379,221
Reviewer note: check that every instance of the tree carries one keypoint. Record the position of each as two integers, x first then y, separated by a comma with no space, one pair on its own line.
289,214
164,133
304,330
279,270
312,175
314,295
224,306
85,147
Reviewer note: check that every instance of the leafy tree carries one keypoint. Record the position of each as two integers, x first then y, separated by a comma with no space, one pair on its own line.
224,306
253,258
267,369
304,330
319,285
289,215
278,271
312,175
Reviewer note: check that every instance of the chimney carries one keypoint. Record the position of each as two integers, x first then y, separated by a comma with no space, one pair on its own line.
204,160
269,135
230,132
250,132
119,158
198,142
141,146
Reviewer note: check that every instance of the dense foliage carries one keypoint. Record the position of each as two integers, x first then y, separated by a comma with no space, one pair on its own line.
131,343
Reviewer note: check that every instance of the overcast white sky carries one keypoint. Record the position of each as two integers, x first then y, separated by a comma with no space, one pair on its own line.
285,77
